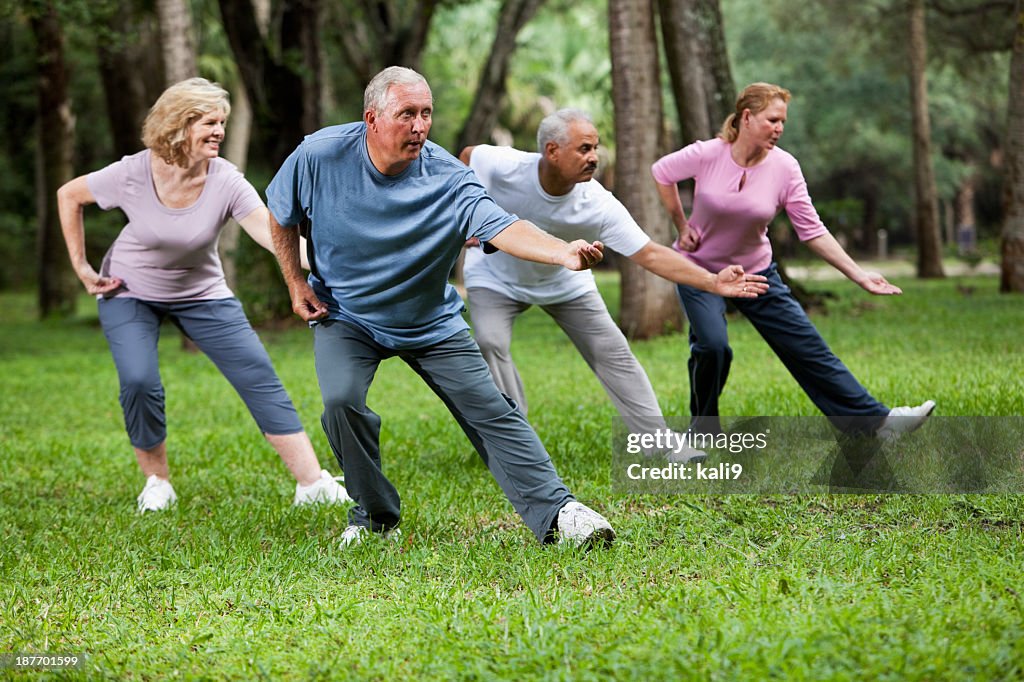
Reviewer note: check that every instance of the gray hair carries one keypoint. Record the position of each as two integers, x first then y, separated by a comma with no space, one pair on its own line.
375,97
555,127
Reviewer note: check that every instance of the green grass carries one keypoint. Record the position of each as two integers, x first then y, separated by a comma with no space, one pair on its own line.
235,584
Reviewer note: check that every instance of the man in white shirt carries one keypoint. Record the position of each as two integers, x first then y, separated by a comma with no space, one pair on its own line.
555,190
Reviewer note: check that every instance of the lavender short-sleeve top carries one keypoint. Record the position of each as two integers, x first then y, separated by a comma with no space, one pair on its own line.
170,254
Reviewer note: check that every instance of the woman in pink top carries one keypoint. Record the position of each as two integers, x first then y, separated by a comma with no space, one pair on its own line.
742,180
177,195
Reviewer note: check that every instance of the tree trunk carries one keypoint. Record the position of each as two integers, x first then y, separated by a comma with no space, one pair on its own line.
1012,242
374,34
124,90
929,243
491,90
282,75
236,150
721,90
58,286
681,34
965,231
649,305
284,92
176,40
177,47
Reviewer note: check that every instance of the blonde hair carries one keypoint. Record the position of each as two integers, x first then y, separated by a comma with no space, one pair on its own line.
756,97
165,130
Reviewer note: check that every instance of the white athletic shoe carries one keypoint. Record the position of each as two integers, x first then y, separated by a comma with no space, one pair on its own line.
157,495
583,527
903,420
326,489
355,535
685,455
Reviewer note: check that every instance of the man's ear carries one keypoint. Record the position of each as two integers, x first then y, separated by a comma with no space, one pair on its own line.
550,148
370,117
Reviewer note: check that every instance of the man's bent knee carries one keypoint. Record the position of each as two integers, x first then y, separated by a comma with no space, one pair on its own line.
344,400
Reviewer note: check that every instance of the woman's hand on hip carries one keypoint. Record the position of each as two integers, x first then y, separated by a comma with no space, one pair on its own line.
689,239
96,284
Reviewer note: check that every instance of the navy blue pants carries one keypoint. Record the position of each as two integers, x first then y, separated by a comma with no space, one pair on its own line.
221,330
346,361
782,322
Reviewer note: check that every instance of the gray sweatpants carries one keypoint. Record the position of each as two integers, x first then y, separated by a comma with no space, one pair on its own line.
346,361
586,322
222,331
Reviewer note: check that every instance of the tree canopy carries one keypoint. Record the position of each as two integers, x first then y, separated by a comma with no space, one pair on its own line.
849,121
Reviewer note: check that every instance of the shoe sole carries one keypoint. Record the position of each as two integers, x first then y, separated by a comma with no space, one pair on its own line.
143,510
601,538
322,500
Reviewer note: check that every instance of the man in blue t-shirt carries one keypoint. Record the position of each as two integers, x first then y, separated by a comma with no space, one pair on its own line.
389,213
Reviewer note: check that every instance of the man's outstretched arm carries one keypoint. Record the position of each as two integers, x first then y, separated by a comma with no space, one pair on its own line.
525,240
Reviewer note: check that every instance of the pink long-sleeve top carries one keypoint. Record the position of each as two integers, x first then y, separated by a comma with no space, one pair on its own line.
733,222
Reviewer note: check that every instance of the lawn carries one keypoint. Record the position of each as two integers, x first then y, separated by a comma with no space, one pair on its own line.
233,583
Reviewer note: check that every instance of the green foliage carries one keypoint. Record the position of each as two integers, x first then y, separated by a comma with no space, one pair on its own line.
848,125
561,60
17,155
849,120
460,38
18,222
564,63
234,584
260,285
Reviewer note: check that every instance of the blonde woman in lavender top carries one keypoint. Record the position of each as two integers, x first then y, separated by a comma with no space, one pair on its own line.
177,195
742,181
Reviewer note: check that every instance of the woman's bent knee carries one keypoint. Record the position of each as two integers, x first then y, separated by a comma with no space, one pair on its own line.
717,348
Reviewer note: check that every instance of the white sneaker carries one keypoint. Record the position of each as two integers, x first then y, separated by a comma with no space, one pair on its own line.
326,489
157,495
355,535
687,455
903,420
583,527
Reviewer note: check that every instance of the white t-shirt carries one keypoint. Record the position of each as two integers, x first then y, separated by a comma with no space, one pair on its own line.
588,212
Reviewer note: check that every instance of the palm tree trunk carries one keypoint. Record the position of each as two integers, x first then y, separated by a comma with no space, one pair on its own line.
491,89
1012,246
649,305
929,242
176,40
58,286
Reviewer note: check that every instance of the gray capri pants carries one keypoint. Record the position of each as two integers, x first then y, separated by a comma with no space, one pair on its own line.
221,330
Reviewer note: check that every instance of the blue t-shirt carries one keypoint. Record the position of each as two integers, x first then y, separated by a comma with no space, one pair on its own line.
384,244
